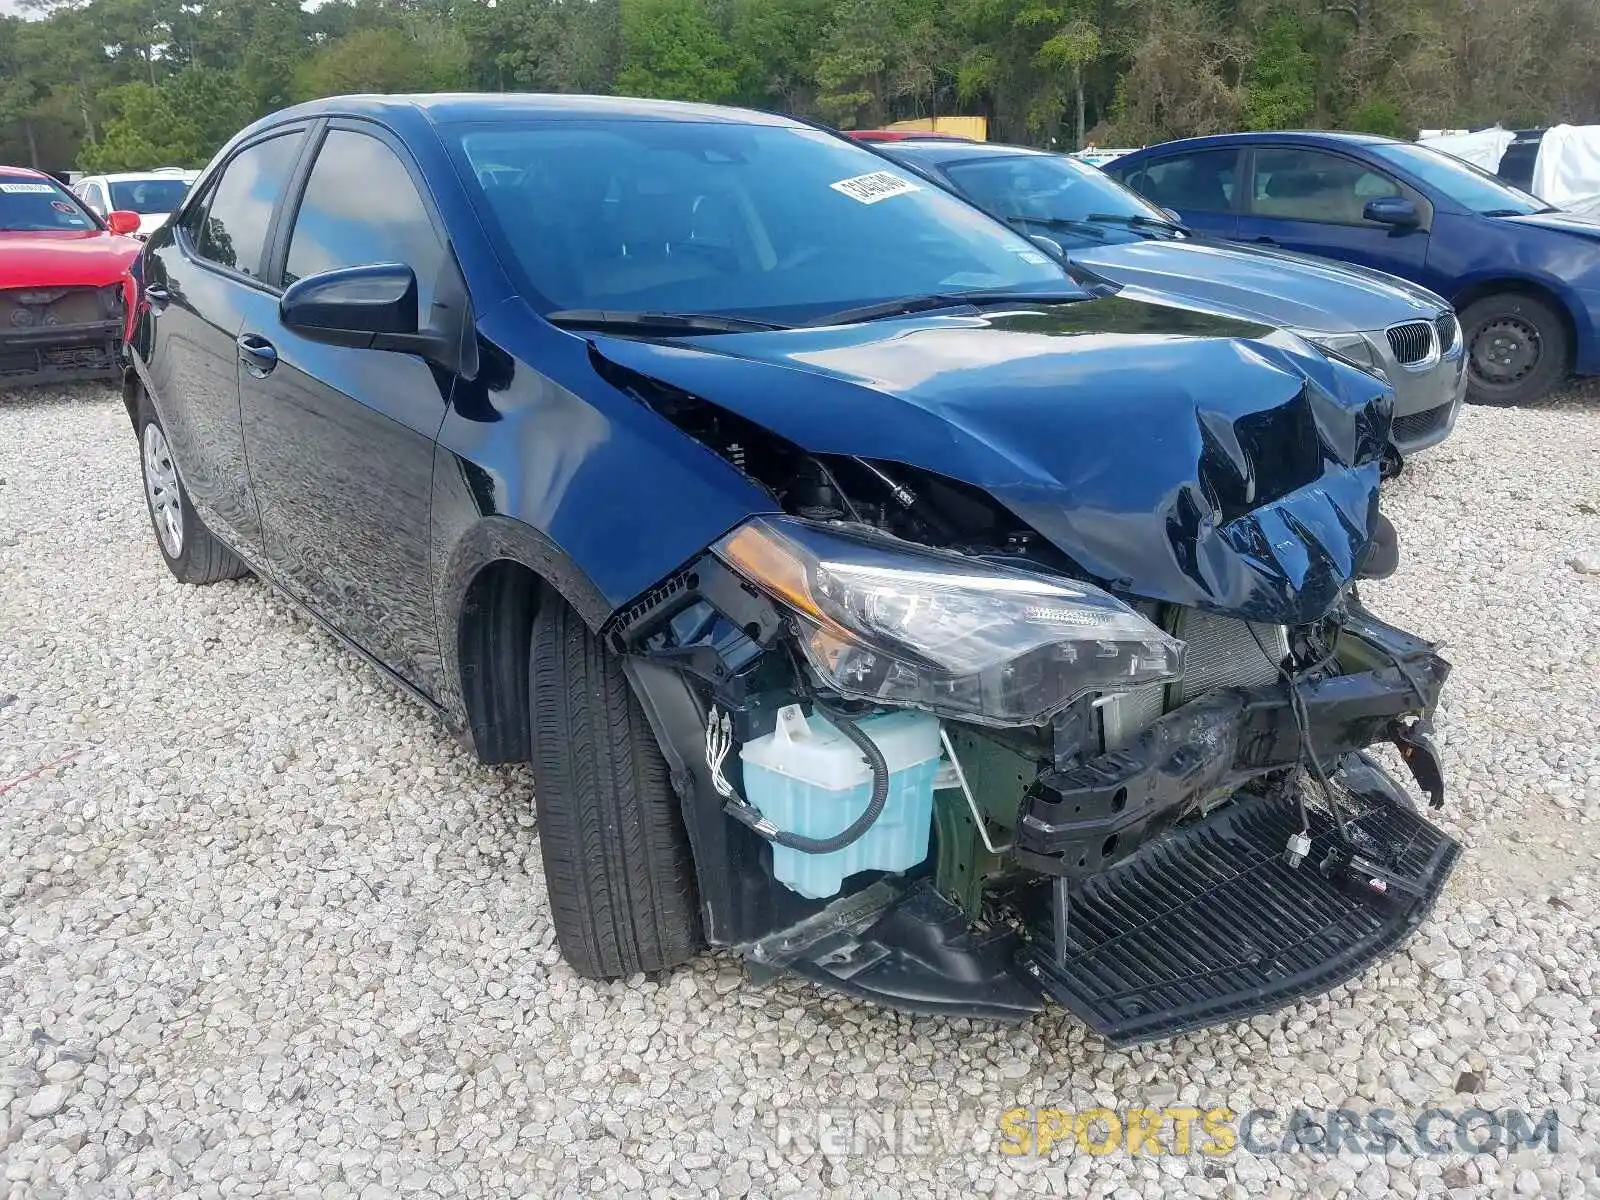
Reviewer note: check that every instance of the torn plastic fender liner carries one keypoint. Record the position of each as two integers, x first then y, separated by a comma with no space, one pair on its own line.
1170,455
1079,822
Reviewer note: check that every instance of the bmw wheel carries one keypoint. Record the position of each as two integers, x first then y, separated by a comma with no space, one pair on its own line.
1518,349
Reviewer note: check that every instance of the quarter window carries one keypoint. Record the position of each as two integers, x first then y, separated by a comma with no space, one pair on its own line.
1200,182
1307,185
232,230
360,207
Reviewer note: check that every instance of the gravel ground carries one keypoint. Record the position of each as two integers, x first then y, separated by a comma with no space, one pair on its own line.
265,929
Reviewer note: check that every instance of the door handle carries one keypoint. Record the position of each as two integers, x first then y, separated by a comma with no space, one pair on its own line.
257,354
157,297
1265,241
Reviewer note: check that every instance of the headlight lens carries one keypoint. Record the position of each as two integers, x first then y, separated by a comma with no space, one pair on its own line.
899,624
1349,348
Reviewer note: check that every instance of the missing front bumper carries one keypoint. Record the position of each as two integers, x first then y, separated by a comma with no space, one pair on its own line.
1209,925
60,356
1214,925
1159,897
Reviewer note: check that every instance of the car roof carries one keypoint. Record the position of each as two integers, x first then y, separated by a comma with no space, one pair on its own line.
452,107
27,173
1290,137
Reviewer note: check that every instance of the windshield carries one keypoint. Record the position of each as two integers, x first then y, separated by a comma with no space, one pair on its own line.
1057,196
34,206
766,222
1464,183
148,196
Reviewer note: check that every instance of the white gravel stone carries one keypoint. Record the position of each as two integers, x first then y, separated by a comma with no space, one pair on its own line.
266,930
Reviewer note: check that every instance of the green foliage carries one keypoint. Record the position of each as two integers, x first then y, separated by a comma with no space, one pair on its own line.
384,60
1280,80
135,83
148,131
672,50
1379,116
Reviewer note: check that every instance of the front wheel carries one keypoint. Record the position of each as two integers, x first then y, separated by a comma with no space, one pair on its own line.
616,857
192,552
1518,349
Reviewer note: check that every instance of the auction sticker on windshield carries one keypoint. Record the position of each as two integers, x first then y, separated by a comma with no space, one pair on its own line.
31,189
879,185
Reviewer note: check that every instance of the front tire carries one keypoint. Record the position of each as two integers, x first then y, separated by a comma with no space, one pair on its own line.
1518,349
192,552
616,857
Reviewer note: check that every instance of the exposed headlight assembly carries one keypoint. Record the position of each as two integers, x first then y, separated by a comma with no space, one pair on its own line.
1352,349
900,624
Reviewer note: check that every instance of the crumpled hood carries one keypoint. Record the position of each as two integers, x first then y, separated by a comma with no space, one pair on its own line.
1173,455
1274,286
64,258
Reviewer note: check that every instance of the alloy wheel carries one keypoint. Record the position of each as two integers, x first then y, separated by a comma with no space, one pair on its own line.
161,490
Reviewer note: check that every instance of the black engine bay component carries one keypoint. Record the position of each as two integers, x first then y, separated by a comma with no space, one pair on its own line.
1213,924
1080,821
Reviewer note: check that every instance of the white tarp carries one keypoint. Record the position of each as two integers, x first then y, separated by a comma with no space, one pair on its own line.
1482,149
1568,166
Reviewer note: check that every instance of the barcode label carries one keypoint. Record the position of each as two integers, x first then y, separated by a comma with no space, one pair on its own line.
869,189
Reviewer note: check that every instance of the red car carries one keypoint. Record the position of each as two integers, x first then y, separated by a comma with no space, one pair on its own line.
65,290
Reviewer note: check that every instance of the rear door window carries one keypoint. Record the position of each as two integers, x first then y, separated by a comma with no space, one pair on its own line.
1199,182
233,231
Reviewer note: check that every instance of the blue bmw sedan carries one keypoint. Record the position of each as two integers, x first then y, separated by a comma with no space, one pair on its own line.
1524,277
863,591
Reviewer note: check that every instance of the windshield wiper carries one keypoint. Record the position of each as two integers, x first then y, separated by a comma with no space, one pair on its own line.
1075,225
1517,212
665,322
907,305
1137,220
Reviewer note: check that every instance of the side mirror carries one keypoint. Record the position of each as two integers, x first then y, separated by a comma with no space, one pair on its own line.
120,220
1392,210
370,307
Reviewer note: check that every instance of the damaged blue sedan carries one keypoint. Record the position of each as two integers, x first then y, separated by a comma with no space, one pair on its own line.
866,592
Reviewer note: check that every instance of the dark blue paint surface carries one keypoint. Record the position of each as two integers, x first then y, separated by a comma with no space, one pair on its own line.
1171,454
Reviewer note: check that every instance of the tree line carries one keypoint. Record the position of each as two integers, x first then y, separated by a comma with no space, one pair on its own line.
116,84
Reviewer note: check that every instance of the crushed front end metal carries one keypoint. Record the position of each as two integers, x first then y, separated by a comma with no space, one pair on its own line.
1124,625
61,334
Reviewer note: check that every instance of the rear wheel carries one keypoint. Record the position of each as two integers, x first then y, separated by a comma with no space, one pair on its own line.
616,857
1518,349
192,552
